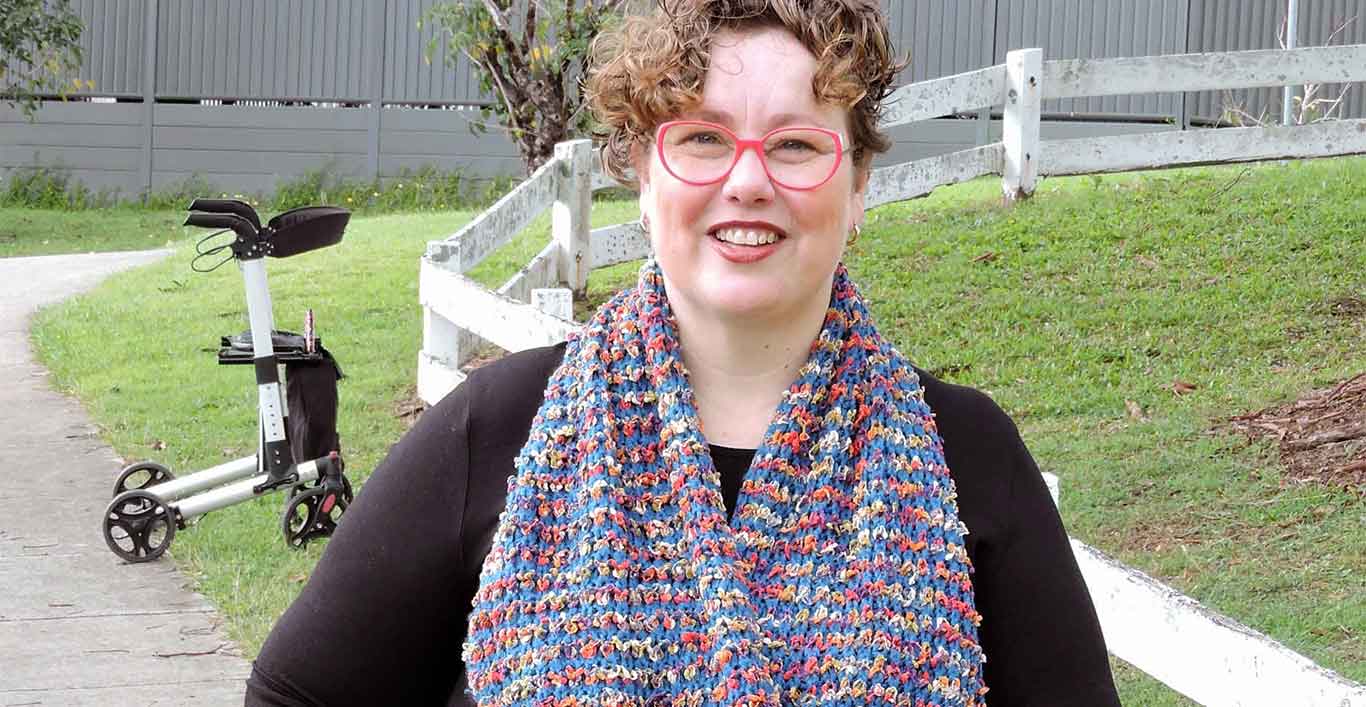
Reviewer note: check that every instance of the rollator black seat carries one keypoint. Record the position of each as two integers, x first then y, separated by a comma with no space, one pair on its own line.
306,228
290,233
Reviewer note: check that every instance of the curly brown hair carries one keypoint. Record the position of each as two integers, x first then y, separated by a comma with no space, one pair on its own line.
650,68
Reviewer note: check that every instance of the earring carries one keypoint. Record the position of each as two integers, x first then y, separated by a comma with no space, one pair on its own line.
645,224
858,231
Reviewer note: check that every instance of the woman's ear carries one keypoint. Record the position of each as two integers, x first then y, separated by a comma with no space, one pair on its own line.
640,162
857,198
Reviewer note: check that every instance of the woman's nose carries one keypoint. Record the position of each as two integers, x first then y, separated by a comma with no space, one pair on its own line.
748,182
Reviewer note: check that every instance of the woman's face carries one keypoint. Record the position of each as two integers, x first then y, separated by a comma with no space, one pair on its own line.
758,80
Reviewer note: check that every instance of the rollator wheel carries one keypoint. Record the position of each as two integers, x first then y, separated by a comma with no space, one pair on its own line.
140,476
138,527
346,489
311,514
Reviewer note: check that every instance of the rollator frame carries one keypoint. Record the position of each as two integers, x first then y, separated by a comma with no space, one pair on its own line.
149,503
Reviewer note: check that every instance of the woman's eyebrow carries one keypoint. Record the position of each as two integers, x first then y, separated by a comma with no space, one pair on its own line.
774,121
713,116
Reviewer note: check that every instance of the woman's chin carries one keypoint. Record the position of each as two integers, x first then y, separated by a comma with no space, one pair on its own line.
748,300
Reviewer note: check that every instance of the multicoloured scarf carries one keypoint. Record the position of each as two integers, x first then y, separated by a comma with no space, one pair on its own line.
614,578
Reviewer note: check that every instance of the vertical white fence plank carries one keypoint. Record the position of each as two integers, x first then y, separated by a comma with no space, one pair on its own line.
1020,130
445,346
1051,481
438,368
573,201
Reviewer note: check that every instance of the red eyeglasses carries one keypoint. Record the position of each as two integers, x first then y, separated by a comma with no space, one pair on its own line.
701,153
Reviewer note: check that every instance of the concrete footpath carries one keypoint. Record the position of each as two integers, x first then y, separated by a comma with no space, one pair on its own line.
77,625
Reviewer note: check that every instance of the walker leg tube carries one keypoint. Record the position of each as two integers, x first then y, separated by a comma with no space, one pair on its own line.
206,479
233,493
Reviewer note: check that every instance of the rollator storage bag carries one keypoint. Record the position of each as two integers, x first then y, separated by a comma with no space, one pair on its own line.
310,389
311,392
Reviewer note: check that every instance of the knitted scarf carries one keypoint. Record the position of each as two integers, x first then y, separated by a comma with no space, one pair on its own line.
615,579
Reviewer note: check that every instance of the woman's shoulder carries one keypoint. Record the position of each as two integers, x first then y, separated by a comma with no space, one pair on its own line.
510,384
960,409
983,450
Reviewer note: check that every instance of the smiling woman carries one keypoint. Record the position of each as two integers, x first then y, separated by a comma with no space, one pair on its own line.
729,489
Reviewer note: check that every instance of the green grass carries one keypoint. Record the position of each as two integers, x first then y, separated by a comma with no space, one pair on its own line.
1096,292
25,231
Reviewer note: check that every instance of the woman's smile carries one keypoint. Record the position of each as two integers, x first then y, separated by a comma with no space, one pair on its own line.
746,242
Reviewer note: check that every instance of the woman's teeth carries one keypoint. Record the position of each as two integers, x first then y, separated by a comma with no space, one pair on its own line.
742,236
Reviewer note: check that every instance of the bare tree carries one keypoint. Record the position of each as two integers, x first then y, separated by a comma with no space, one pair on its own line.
530,54
1308,107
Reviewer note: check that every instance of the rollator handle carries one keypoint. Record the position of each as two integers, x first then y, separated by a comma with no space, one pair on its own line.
241,226
228,206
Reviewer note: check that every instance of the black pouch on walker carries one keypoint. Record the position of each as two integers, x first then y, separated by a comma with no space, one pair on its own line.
310,388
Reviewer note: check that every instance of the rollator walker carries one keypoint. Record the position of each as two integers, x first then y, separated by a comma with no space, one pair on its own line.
298,450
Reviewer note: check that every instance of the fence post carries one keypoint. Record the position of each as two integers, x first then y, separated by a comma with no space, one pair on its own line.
573,201
445,346
1020,130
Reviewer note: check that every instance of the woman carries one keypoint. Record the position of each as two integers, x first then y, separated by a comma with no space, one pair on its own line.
729,489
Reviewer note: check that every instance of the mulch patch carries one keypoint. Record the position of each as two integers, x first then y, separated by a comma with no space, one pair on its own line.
1322,436
411,407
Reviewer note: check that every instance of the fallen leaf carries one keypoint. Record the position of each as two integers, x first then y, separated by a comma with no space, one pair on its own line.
1135,411
299,578
985,257
1180,387
158,445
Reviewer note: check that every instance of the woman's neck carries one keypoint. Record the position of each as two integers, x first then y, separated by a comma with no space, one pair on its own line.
739,368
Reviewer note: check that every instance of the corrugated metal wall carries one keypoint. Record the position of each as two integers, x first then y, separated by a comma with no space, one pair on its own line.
113,43
271,49
1075,29
336,50
408,77
355,51
1225,25
943,37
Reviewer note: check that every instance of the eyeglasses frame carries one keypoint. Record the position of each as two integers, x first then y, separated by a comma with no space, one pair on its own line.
741,145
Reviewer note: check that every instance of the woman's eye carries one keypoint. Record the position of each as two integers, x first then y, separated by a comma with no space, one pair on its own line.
795,145
704,138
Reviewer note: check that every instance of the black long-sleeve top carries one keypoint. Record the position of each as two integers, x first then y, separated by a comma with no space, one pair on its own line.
383,616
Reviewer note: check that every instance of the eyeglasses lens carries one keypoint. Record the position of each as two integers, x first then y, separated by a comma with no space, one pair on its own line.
798,158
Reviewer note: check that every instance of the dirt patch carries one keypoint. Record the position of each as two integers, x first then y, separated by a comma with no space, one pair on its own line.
409,407
1322,436
1152,537
1351,307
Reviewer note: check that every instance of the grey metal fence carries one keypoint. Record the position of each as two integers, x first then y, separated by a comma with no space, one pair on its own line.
247,92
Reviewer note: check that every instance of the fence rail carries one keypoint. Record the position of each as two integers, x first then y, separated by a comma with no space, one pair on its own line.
1077,78
1196,652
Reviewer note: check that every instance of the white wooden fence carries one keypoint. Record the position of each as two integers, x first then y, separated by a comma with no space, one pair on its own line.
1207,657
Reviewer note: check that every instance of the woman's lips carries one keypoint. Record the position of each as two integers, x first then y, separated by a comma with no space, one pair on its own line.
743,254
